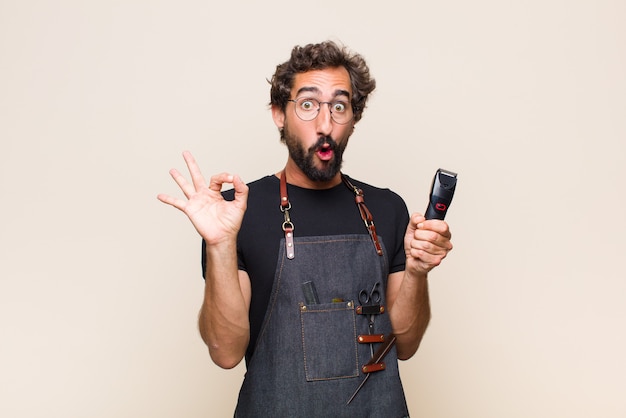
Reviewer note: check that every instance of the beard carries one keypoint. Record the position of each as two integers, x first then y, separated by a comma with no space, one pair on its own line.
304,159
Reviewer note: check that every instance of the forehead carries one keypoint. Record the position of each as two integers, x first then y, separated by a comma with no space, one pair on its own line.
329,82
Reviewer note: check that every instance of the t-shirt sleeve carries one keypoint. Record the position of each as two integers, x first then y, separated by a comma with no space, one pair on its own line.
397,258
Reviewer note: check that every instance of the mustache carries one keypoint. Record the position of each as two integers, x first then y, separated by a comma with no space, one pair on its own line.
324,140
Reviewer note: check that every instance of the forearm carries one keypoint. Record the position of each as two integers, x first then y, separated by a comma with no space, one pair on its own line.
223,320
410,313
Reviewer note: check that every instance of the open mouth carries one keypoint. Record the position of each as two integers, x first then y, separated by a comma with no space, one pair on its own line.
325,153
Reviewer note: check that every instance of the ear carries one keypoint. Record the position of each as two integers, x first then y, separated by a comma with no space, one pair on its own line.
279,116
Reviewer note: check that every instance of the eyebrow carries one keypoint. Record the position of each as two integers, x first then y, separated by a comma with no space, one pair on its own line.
338,92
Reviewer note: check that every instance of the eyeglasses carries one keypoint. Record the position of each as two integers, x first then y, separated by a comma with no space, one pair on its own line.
307,109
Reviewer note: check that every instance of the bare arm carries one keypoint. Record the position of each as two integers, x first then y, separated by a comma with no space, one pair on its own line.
223,320
426,244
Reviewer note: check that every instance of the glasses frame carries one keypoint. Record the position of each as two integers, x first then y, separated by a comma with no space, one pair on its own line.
319,108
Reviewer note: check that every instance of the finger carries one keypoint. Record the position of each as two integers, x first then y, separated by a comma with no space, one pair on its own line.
428,252
432,247
196,175
423,249
416,219
172,201
432,237
435,225
437,236
187,188
429,243
216,181
241,189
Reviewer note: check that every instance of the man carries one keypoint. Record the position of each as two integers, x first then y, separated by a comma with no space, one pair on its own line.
308,272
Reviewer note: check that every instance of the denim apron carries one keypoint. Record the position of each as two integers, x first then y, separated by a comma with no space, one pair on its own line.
307,361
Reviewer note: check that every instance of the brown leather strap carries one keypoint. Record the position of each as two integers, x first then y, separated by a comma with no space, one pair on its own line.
288,226
370,339
374,367
367,217
382,351
284,199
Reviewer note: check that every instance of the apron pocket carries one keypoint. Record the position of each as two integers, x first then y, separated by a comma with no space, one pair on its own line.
329,341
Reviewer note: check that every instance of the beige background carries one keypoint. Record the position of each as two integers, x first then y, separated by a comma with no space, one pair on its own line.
100,283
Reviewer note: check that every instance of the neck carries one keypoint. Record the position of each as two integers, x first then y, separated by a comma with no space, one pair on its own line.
296,177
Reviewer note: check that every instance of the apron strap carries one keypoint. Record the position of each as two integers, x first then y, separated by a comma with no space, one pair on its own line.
367,217
288,226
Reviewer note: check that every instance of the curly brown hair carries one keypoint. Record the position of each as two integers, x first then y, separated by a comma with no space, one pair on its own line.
318,57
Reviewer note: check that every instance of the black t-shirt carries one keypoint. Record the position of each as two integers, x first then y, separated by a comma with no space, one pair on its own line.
313,213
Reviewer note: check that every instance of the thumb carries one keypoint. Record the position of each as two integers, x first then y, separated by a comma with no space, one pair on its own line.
416,220
241,189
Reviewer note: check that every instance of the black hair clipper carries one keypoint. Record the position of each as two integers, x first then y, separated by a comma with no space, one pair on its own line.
441,194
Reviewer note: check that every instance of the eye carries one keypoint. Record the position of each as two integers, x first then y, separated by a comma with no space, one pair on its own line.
308,105
339,107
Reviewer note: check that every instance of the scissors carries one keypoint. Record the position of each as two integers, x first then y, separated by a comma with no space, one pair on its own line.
371,298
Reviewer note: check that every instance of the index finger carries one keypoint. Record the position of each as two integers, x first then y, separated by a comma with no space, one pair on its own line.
218,180
436,225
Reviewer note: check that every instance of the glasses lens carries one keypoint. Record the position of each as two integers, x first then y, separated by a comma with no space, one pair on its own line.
341,112
307,109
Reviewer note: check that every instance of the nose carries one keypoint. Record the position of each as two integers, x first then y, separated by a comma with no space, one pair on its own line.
324,120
